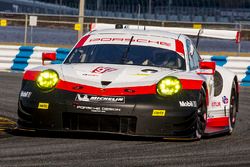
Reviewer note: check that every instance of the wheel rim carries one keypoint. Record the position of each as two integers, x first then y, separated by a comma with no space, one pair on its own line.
201,115
232,110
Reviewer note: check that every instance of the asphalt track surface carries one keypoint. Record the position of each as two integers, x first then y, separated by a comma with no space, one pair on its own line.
89,150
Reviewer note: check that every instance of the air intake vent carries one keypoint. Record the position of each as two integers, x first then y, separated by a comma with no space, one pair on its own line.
99,123
105,83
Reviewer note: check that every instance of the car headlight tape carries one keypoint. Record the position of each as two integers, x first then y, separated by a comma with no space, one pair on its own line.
168,86
47,79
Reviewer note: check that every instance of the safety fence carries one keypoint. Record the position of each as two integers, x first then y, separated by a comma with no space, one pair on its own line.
21,58
25,28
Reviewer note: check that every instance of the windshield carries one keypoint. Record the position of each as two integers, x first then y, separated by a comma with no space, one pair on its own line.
121,54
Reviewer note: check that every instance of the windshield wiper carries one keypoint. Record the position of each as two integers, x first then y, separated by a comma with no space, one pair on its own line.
125,55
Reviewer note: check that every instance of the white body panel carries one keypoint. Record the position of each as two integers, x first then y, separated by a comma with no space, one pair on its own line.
217,107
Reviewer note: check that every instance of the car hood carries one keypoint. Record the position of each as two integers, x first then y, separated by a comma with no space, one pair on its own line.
110,75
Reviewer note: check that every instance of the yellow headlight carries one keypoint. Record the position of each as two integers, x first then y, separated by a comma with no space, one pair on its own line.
47,79
168,86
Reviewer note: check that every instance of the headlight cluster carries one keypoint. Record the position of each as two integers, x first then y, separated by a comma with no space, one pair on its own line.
47,80
168,86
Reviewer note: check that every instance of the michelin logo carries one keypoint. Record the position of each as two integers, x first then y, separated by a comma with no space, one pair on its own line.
84,98
104,99
188,103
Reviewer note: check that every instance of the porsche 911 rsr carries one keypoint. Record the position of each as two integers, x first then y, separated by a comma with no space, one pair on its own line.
131,82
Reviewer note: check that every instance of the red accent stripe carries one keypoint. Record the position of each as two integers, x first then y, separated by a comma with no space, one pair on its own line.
179,47
31,75
82,41
135,90
191,84
237,37
138,90
218,122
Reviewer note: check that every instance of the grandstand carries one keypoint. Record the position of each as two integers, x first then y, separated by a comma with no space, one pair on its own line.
35,6
172,10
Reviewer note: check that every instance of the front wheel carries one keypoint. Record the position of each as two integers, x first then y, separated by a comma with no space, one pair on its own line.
201,119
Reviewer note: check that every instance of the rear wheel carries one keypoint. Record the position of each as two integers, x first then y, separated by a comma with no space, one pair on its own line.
233,108
201,120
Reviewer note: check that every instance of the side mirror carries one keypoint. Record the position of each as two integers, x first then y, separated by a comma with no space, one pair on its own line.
48,56
206,68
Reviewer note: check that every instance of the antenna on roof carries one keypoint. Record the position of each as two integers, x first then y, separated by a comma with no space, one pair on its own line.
198,37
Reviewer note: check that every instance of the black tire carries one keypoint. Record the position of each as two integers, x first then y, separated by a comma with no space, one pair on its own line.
233,108
201,119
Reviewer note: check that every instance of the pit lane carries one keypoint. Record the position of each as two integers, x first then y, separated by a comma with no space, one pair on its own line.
85,150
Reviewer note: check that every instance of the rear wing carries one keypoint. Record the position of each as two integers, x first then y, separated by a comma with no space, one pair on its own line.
209,33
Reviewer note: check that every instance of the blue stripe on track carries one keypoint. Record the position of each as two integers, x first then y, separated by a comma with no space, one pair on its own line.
220,60
61,54
21,60
246,81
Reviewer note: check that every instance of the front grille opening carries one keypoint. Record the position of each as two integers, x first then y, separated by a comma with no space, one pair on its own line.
101,123
105,83
110,124
87,123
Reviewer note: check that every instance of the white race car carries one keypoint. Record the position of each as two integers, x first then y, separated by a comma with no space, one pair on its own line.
131,82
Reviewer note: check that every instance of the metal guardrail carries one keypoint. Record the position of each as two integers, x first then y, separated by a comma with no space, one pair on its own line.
59,30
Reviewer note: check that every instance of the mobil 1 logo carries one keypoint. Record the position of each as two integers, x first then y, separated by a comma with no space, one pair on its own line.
188,103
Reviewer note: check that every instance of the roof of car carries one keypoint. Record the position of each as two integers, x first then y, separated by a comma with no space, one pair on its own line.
156,33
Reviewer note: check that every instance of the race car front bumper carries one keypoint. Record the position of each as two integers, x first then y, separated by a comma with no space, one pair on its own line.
142,115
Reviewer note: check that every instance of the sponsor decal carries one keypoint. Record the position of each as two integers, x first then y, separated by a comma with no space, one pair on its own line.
110,109
98,109
103,99
188,103
216,104
224,99
92,109
43,106
147,41
101,70
25,94
210,116
159,113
